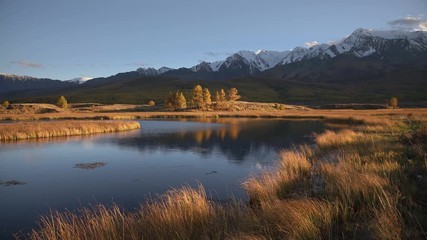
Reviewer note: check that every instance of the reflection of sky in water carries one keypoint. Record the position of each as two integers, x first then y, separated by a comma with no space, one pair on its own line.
220,154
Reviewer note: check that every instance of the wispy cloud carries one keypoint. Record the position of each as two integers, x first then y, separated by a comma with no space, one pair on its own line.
212,54
138,64
311,44
409,23
28,64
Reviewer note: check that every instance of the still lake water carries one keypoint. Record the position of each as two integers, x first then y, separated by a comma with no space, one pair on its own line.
162,155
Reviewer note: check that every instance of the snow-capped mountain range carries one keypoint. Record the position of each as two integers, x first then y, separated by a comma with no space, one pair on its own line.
11,82
387,49
14,77
361,43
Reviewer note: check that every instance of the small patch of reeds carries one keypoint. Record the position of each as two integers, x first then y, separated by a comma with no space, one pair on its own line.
35,130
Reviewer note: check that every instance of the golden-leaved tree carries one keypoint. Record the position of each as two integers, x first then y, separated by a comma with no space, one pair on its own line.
233,94
62,102
220,99
207,98
197,97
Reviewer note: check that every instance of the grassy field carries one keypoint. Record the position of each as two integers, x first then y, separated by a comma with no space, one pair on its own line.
366,181
35,130
242,109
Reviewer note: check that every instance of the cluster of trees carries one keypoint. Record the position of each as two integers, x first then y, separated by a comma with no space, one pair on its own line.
200,98
175,101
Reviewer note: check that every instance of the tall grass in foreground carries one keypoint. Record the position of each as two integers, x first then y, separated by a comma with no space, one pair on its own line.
351,186
34,130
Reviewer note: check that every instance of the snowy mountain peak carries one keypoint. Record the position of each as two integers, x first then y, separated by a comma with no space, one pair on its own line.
202,67
80,80
259,61
272,58
321,46
393,34
216,65
147,72
164,69
248,55
365,42
254,61
151,72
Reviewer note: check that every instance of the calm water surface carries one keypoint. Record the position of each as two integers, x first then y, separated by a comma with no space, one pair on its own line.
220,154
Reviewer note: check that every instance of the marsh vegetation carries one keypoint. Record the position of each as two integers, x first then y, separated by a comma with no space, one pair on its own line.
367,182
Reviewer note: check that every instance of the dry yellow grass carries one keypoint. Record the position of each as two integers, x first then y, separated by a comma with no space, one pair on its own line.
95,223
386,224
180,214
241,236
298,219
352,187
35,130
354,182
348,188
292,173
336,139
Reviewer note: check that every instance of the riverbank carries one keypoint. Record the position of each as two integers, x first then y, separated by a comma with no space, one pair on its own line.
333,115
35,130
367,182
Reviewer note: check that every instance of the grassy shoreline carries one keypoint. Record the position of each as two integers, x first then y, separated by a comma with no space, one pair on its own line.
36,130
367,182
289,113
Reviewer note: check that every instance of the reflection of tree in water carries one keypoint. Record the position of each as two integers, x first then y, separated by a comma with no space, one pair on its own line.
236,140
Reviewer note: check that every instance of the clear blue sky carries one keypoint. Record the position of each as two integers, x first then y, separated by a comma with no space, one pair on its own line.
63,39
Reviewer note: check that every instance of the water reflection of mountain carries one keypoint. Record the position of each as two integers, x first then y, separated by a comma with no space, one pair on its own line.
235,138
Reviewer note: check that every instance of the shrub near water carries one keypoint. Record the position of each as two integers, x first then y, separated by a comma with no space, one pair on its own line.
151,103
6,104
